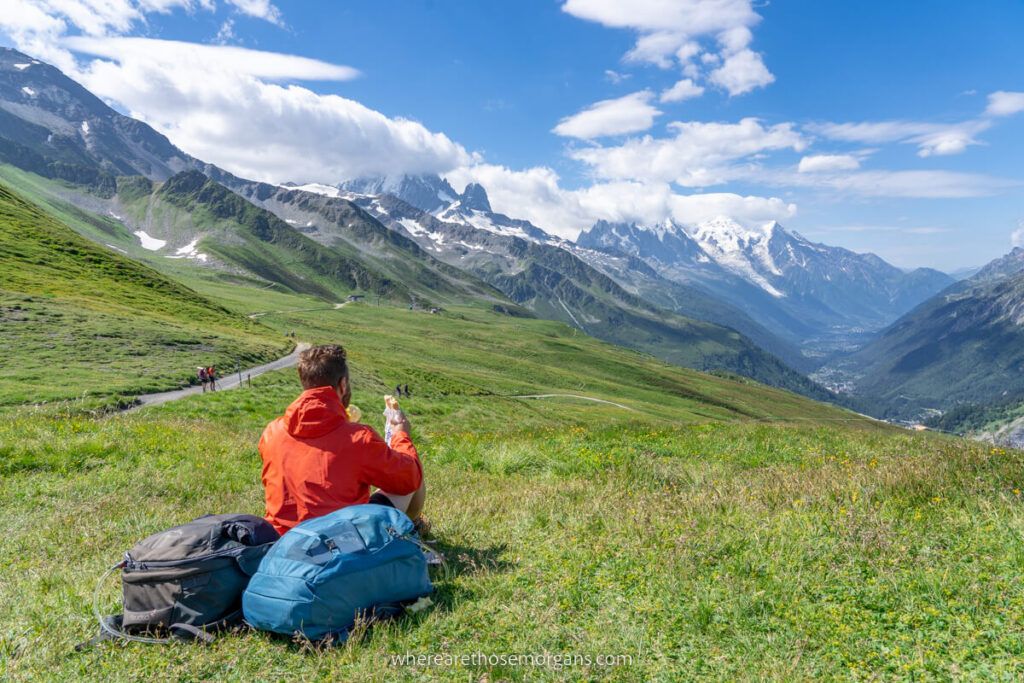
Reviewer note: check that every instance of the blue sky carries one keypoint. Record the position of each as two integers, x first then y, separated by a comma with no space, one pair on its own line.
896,128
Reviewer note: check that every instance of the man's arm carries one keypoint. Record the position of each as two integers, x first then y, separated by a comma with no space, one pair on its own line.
395,468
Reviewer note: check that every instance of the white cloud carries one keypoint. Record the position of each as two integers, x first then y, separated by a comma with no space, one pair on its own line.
748,210
670,32
37,26
221,103
687,51
535,194
900,184
742,72
932,139
261,9
817,163
1004,103
627,114
226,33
1017,236
211,102
175,55
700,154
684,89
690,17
616,77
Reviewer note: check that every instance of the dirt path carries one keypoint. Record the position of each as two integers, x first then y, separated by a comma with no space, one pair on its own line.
335,307
582,398
228,381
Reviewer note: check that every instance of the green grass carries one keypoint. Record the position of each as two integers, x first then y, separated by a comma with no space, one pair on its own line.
722,531
79,319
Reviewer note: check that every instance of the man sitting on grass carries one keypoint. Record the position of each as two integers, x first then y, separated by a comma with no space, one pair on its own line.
316,461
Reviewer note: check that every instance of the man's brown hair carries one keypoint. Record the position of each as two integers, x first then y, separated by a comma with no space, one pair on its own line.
322,366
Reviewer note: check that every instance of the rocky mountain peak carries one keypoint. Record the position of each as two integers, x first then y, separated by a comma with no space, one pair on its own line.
475,198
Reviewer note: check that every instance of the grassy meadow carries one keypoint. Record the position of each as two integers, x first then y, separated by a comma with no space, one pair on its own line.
720,530
706,527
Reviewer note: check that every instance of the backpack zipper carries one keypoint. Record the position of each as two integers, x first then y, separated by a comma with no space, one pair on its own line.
135,565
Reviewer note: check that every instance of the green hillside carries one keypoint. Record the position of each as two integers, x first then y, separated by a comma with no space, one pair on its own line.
80,319
246,243
552,282
960,349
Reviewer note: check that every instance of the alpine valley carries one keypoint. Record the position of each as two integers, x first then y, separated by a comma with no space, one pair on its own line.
717,295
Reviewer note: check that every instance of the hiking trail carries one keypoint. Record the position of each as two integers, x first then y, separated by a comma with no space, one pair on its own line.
227,381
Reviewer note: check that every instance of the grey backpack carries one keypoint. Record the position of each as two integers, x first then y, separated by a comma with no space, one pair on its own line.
187,581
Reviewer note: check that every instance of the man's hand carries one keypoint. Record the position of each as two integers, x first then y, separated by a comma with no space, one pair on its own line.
400,423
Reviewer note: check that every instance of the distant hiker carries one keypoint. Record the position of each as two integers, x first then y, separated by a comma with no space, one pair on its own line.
398,390
316,461
406,390
211,375
203,377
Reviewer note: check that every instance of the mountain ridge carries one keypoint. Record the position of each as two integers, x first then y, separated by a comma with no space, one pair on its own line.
344,226
825,288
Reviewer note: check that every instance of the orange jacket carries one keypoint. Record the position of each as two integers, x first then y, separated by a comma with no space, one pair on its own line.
315,461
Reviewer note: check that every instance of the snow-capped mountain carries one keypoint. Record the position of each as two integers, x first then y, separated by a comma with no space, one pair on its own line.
468,234
428,192
832,291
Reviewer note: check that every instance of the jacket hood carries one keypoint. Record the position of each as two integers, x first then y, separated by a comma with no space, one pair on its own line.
314,413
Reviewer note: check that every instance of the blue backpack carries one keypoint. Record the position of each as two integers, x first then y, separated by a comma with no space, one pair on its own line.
327,570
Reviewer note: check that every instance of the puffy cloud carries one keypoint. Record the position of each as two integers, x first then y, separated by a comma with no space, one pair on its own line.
1005,103
700,154
689,17
224,104
211,101
627,114
741,72
535,194
670,32
684,89
817,163
113,17
261,9
1017,236
37,26
656,48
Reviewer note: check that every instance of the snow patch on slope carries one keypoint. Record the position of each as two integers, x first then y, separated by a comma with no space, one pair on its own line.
412,226
190,251
315,188
149,243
